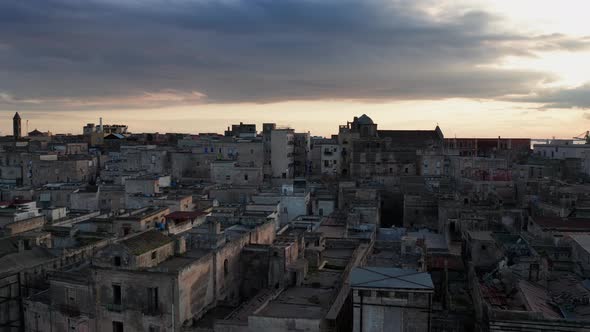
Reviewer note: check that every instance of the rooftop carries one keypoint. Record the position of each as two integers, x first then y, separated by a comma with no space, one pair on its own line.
143,213
184,215
146,241
301,302
365,120
388,277
583,240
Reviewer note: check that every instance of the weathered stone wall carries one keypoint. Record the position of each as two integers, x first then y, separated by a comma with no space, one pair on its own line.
420,211
37,316
10,306
23,225
161,254
133,310
255,270
196,292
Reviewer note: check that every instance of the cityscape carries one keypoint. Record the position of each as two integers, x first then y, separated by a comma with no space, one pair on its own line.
294,166
369,229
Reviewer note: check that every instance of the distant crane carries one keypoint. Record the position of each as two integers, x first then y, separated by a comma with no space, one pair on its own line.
585,136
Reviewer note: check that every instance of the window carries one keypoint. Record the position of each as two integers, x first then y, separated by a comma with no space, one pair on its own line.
225,268
154,254
365,293
117,326
152,299
117,294
71,296
117,260
245,177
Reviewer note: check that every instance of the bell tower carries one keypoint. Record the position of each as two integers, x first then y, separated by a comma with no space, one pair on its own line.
16,126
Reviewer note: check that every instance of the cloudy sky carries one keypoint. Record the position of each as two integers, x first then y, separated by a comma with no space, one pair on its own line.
477,68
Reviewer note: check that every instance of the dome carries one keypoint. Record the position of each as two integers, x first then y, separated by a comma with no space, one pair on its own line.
36,133
365,120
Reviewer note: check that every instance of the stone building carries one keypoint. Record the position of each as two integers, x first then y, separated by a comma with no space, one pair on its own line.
27,263
501,147
16,126
241,130
148,158
19,216
391,299
140,220
369,152
54,169
231,172
420,211
301,151
267,129
281,153
325,157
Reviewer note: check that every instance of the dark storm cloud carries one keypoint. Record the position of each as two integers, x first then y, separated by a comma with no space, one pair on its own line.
577,97
151,53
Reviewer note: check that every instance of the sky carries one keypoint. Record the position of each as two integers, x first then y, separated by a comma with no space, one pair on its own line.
476,68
